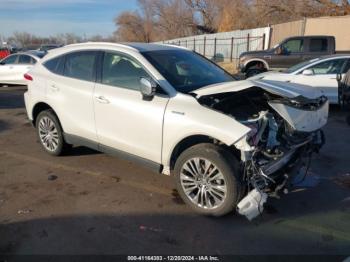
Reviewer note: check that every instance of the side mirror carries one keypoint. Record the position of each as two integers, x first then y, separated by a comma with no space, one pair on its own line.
278,50
148,88
308,72
2,63
339,77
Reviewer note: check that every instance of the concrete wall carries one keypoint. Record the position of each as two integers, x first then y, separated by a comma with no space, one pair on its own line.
284,30
336,26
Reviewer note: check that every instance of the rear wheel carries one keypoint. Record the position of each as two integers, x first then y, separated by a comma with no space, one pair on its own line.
50,133
207,179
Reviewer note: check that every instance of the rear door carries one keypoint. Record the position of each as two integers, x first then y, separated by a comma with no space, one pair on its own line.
70,89
316,47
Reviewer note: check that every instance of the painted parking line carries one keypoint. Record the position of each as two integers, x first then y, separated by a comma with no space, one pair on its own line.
133,184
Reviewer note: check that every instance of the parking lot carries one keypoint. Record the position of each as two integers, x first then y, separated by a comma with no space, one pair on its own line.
91,203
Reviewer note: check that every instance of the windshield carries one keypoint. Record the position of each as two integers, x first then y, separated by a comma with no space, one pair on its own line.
299,66
186,71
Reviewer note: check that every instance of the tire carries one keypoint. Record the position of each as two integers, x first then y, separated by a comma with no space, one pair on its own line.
253,71
216,202
55,144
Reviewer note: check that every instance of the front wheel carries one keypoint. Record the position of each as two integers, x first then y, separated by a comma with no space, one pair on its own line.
207,179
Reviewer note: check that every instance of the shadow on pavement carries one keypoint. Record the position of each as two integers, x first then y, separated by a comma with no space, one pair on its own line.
81,151
157,234
3,125
11,100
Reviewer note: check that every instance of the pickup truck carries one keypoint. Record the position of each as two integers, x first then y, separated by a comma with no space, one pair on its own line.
289,52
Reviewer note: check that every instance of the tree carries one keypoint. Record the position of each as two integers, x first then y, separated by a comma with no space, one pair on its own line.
24,39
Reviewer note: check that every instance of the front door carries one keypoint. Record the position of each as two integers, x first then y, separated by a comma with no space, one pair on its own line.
290,54
8,69
124,120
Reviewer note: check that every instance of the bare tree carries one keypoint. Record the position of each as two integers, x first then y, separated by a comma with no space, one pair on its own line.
22,38
131,27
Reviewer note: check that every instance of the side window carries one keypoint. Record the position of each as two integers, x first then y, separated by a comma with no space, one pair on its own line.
10,60
293,46
122,71
32,61
328,67
318,45
346,67
25,59
55,65
81,65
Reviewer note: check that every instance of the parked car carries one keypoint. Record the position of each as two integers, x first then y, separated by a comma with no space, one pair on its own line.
48,47
344,93
228,143
289,52
14,66
320,73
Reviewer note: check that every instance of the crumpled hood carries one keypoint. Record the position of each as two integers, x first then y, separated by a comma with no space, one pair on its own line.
284,89
272,75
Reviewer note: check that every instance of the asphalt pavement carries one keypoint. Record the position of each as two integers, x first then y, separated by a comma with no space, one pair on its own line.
90,203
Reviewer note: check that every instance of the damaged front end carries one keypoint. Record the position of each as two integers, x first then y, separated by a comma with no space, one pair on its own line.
284,132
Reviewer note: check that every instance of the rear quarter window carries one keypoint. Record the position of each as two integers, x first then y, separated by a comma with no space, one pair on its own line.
81,65
318,45
55,65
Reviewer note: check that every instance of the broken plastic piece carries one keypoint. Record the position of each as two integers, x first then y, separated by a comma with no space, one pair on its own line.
252,205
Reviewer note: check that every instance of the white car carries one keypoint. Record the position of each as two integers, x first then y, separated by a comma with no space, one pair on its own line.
228,143
13,67
320,72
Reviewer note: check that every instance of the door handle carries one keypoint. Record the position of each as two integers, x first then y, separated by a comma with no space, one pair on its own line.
54,87
11,67
102,100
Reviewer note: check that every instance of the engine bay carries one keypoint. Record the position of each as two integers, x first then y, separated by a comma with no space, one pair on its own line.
273,147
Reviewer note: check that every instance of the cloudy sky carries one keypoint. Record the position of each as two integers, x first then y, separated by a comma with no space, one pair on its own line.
50,17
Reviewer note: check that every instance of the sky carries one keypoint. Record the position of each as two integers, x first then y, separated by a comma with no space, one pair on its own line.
51,17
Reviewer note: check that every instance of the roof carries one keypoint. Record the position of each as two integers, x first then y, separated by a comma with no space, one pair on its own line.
334,56
144,47
39,54
140,47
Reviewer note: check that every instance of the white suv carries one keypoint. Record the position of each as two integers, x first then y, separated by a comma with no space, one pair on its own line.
229,143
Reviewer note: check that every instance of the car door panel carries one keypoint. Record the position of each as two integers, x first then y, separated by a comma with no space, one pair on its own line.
127,122
9,70
72,99
124,120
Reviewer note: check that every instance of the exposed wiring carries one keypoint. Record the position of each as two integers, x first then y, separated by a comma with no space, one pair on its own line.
306,171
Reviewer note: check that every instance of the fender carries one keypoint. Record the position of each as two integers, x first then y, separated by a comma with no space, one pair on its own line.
185,117
257,60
